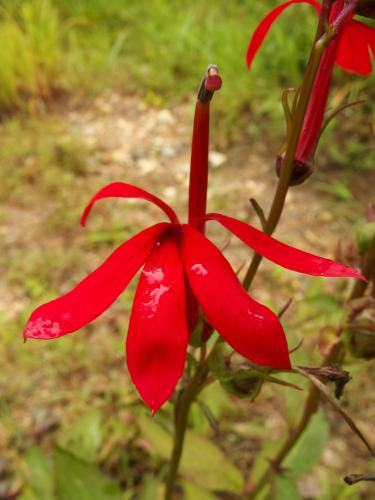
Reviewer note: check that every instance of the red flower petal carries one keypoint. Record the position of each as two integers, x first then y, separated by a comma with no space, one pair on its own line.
123,190
369,33
94,294
282,254
250,328
157,341
353,52
265,25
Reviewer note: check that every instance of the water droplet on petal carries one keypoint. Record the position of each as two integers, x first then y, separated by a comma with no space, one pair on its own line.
254,315
199,269
154,296
155,275
43,329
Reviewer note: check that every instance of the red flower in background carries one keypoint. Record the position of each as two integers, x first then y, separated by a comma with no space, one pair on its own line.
181,269
356,39
350,49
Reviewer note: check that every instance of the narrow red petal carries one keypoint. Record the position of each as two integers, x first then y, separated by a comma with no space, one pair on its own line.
123,190
249,327
265,25
353,53
369,33
94,294
314,116
157,341
282,254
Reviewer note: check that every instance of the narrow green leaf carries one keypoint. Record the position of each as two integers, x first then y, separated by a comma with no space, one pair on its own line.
39,476
307,450
262,460
259,211
150,489
194,492
284,488
83,438
77,480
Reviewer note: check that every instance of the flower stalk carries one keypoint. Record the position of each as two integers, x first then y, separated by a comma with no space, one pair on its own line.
198,185
307,116
185,399
335,355
199,151
288,160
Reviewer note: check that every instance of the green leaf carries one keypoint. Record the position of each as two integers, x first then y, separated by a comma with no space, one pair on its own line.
307,450
338,189
216,399
84,437
202,462
364,235
194,492
77,480
262,460
150,489
39,476
284,488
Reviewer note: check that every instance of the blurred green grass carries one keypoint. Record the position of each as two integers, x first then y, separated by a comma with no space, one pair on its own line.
156,49
54,49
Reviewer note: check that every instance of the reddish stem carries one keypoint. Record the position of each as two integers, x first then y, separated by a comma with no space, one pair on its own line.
199,165
199,150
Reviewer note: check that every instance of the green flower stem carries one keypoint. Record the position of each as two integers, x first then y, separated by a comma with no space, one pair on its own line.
312,401
187,397
287,164
368,272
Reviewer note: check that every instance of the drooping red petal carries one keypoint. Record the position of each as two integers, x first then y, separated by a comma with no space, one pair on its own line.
354,50
369,33
157,340
191,309
123,190
265,25
282,254
92,296
249,327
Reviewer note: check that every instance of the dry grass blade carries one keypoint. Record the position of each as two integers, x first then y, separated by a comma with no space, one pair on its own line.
356,478
323,389
285,307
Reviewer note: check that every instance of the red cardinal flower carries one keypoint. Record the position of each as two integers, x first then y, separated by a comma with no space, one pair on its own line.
158,332
355,42
350,49
176,260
